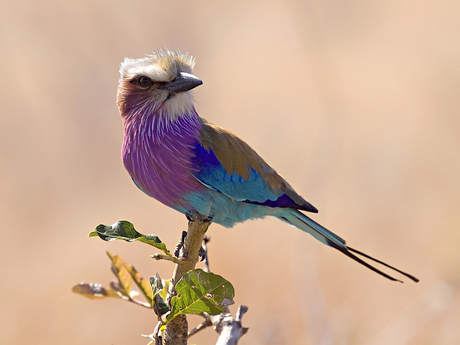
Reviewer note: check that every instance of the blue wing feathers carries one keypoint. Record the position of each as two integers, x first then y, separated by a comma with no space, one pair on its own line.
211,173
254,189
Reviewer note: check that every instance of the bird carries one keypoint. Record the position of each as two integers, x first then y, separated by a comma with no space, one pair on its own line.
196,167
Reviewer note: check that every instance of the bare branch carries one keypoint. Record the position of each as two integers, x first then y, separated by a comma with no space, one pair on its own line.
241,311
229,328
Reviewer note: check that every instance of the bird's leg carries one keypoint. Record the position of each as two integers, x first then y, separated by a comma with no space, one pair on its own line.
180,244
203,253
193,216
179,252
197,216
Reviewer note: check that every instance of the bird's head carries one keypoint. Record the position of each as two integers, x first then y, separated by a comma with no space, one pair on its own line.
157,84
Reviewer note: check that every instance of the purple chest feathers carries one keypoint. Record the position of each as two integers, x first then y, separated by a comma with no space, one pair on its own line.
158,155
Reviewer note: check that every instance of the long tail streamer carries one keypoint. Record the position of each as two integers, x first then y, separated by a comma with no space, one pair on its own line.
301,221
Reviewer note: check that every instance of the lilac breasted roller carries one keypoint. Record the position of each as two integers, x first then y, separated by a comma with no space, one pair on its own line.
195,166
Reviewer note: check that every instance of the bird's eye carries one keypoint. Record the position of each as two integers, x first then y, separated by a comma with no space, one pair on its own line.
144,81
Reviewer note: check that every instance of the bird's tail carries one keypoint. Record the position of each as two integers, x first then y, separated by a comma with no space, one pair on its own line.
301,221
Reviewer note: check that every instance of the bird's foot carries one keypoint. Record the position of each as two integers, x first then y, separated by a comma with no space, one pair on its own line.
193,216
180,244
202,253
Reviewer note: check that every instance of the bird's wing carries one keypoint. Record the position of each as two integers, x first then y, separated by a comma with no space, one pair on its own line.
229,165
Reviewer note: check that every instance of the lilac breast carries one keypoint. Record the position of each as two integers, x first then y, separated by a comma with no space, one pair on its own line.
158,155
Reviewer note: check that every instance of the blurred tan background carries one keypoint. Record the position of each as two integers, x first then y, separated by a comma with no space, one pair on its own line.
356,103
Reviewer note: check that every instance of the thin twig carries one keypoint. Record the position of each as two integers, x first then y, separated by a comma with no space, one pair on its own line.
142,304
241,311
201,326
124,297
159,256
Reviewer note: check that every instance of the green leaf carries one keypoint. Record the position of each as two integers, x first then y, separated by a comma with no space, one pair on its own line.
156,284
199,291
124,230
160,291
94,291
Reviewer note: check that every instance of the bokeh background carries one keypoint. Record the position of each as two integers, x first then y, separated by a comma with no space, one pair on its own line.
356,103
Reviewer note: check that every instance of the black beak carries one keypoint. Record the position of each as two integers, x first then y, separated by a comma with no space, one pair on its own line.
183,82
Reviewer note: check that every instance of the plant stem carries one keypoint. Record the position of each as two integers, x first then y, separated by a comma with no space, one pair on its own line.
175,332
